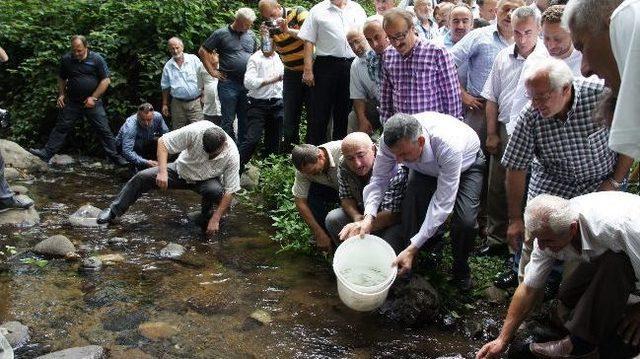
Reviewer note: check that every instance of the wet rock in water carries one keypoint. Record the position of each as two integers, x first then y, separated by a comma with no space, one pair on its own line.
12,174
261,316
85,216
5,347
57,245
250,178
116,352
117,241
91,264
110,259
108,294
18,189
172,251
117,320
156,331
213,301
88,352
495,295
413,304
16,333
61,160
20,217
17,157
452,356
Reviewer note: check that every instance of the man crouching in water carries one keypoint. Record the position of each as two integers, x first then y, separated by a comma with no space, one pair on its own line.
208,163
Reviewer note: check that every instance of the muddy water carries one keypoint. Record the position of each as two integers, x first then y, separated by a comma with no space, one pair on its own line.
208,297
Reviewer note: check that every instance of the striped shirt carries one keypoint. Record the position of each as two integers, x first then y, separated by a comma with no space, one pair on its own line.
424,80
193,163
291,49
568,157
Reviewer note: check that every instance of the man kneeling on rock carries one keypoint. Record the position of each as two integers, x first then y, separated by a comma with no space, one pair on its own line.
601,230
208,163
354,173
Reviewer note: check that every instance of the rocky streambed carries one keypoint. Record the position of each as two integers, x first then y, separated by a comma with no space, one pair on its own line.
152,286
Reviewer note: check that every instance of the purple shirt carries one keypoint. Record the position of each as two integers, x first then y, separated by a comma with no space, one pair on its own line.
425,80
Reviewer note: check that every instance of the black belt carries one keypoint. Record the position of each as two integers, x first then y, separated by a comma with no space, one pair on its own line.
266,100
335,59
187,100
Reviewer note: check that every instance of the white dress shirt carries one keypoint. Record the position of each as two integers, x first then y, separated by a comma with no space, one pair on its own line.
259,69
210,100
608,220
361,86
451,148
193,163
624,32
503,79
327,26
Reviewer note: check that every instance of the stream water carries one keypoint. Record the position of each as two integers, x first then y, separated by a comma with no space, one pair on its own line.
207,298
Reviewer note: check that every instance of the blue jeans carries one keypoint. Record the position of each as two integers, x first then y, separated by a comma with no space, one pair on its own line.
233,102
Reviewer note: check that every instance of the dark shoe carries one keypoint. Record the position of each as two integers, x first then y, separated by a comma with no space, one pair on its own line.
14,203
463,285
507,280
559,349
106,216
119,160
41,153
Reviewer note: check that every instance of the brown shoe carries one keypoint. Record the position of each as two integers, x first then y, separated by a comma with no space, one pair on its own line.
559,349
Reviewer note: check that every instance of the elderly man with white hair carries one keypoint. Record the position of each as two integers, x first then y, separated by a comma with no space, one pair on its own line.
181,84
601,231
558,140
608,34
354,173
234,44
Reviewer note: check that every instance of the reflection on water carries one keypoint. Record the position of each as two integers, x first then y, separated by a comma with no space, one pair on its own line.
208,295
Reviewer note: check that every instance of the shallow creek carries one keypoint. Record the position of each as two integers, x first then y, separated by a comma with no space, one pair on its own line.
208,297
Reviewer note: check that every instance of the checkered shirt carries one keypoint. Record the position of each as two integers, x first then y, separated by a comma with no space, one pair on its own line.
350,186
425,80
568,158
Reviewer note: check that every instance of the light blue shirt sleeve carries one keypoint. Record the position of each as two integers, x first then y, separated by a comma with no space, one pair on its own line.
128,143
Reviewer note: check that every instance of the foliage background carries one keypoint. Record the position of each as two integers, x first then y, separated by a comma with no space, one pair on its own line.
132,36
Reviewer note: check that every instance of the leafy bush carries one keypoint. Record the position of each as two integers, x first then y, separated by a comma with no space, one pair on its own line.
276,179
132,36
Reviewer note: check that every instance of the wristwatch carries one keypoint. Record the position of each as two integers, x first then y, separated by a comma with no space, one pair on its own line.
615,184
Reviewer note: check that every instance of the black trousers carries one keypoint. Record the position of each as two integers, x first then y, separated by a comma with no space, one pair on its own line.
74,111
263,117
322,199
211,190
464,226
330,99
597,293
295,94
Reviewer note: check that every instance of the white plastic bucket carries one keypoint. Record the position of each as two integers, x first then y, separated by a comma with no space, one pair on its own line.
368,252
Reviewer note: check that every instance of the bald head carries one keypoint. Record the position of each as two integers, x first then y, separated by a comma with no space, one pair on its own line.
358,153
375,35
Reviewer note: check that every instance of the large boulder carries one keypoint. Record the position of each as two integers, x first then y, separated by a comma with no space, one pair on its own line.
413,303
17,157
16,333
88,352
20,217
5,348
57,245
172,251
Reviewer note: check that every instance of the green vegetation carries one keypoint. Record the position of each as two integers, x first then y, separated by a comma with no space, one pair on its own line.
132,36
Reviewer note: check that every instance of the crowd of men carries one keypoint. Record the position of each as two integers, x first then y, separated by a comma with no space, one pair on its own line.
510,121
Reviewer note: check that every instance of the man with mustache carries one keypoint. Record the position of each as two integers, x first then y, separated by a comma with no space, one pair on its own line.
181,80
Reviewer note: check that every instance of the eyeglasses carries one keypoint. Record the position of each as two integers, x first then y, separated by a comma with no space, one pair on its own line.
540,99
399,37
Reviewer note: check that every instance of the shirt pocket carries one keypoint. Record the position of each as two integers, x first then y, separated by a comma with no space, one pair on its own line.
598,146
